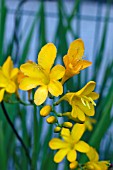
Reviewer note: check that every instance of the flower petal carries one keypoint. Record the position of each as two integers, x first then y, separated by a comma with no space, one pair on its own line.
55,88
77,112
77,131
28,83
65,133
7,67
82,146
14,72
74,112
56,143
72,155
86,110
66,60
2,94
83,64
11,87
33,70
59,156
76,49
68,97
40,95
92,154
47,56
87,89
57,72
93,95
3,80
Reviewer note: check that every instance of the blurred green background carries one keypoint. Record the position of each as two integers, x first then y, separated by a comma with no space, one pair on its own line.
25,26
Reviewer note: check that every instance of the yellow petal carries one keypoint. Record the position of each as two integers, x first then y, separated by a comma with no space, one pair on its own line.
68,97
86,110
93,166
59,156
56,143
40,95
47,56
77,131
76,112
72,155
33,70
66,60
2,94
57,72
3,80
28,83
55,88
65,133
7,67
87,89
83,64
92,154
82,146
93,95
14,72
11,87
76,49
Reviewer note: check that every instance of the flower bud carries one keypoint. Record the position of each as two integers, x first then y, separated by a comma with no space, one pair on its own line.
51,120
57,129
73,165
67,124
66,114
45,110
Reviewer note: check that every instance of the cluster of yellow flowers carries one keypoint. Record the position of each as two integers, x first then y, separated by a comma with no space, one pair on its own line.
50,81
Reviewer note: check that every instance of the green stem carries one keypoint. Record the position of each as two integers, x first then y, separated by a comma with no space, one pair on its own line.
15,132
36,142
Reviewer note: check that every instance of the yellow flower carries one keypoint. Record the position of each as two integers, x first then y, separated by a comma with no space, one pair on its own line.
82,101
94,163
8,76
70,144
73,60
42,74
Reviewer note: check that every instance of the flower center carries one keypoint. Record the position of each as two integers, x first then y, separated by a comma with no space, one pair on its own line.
86,100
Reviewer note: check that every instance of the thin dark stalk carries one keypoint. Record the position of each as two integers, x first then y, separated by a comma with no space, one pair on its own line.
15,132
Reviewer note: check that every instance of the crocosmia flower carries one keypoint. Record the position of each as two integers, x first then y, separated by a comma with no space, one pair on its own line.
70,144
82,102
8,76
42,75
94,163
73,60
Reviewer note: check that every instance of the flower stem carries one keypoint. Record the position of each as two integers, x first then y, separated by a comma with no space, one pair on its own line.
15,132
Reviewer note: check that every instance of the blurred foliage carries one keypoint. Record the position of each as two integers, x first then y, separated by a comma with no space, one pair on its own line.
12,155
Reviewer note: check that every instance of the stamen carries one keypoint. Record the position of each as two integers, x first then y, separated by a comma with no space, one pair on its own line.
87,103
92,101
83,101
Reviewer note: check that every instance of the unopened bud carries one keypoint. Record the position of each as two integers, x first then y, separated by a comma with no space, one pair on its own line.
57,129
73,165
66,114
45,110
67,124
51,120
